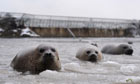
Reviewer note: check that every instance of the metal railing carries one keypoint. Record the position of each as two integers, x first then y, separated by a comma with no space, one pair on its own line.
48,21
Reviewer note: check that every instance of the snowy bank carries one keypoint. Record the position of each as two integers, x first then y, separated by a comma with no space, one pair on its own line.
27,32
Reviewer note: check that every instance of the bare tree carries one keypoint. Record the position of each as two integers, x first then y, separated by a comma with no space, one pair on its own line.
8,24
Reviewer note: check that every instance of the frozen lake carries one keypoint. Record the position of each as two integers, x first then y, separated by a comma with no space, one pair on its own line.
113,69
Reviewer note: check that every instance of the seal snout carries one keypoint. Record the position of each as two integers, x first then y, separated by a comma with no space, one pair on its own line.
89,53
48,56
93,58
129,52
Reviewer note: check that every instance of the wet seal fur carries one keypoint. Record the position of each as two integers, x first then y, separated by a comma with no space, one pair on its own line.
89,53
36,60
117,50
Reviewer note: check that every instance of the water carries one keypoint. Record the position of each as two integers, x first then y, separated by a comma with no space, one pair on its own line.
113,69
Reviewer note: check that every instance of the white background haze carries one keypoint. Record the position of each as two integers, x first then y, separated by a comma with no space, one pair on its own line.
126,9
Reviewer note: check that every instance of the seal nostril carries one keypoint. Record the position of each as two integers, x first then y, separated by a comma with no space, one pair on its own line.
48,54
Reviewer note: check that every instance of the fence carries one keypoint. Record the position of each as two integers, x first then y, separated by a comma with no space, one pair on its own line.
47,21
66,26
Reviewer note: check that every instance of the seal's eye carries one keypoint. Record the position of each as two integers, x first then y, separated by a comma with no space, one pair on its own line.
41,50
88,52
96,52
53,50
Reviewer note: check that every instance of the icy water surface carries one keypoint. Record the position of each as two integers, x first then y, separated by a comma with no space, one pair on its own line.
113,69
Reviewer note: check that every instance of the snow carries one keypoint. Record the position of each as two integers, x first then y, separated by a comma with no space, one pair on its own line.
27,31
15,30
1,30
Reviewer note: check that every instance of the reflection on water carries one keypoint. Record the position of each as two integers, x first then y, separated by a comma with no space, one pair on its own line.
113,69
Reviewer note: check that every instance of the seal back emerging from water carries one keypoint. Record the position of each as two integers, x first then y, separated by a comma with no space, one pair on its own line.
117,50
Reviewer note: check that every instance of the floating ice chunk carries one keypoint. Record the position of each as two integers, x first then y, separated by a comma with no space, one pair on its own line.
2,46
76,67
85,67
72,66
48,72
29,77
111,64
128,69
58,75
51,83
9,83
27,73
